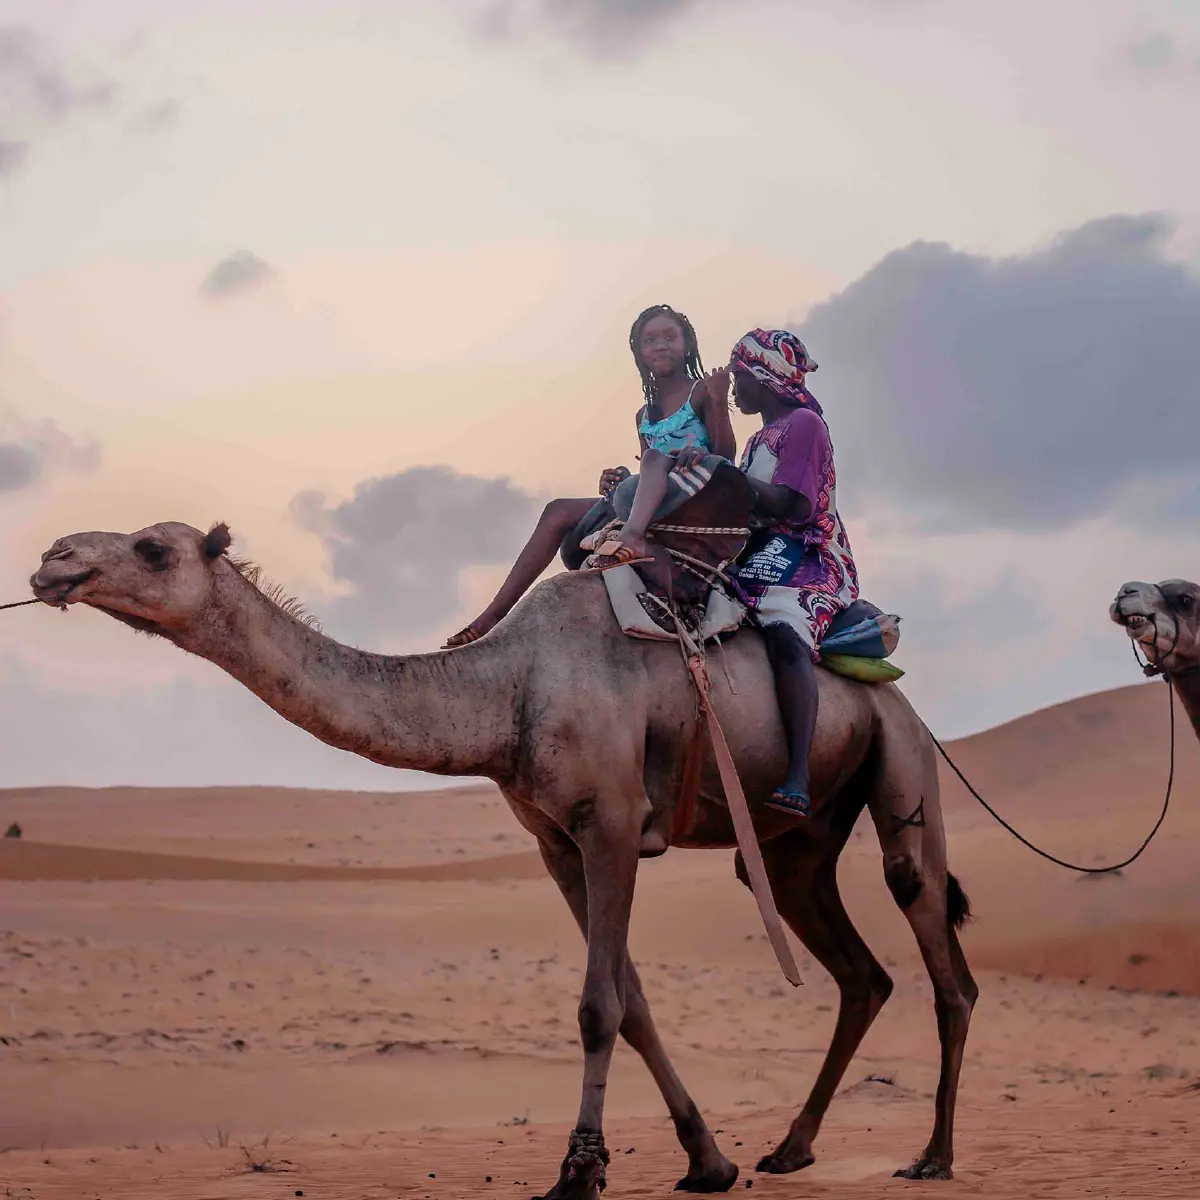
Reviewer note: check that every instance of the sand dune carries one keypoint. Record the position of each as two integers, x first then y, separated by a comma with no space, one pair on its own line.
34,861
385,988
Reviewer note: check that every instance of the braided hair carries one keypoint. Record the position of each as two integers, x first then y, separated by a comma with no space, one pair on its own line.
692,365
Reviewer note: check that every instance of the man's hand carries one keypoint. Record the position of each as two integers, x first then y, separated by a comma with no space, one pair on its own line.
610,478
717,382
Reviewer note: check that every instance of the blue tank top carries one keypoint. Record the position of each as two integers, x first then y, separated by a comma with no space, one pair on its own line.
681,430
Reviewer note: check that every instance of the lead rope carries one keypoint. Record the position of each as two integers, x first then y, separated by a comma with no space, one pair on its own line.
1162,816
1148,668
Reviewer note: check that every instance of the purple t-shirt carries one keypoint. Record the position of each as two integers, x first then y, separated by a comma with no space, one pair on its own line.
796,452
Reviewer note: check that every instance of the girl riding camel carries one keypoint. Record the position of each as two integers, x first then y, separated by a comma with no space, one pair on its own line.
683,430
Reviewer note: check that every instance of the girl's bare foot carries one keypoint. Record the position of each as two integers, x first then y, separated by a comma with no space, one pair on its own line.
636,543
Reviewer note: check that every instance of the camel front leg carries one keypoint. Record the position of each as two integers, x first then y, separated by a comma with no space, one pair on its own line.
709,1171
608,836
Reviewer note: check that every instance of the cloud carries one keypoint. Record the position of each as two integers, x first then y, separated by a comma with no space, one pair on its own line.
30,449
156,117
401,543
239,271
38,90
33,80
1158,55
1022,392
12,156
1150,53
602,28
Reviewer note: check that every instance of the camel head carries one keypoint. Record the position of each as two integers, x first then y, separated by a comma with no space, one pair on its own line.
1163,619
157,580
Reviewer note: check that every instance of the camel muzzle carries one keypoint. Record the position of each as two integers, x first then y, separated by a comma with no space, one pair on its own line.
1129,609
58,591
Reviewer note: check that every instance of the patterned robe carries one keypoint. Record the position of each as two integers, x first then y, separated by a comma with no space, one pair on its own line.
797,573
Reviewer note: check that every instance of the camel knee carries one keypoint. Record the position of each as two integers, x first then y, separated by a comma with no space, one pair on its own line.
970,990
864,990
880,987
636,1021
904,880
600,1016
953,1011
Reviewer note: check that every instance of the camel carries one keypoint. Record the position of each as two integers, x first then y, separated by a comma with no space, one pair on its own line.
1163,620
585,731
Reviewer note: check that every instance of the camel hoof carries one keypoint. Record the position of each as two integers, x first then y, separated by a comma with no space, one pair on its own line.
784,1164
582,1176
709,1183
923,1168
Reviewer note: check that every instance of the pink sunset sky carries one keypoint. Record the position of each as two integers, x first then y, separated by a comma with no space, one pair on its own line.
270,262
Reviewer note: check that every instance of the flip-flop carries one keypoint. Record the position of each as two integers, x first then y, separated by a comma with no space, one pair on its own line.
795,803
467,636
613,554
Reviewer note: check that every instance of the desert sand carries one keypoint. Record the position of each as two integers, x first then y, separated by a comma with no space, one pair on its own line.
366,995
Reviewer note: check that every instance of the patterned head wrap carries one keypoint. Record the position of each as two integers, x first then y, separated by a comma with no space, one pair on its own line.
778,360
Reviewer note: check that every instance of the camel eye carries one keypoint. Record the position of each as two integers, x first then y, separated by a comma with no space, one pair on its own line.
156,554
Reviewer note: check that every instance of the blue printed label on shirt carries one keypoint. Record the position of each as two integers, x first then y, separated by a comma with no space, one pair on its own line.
774,563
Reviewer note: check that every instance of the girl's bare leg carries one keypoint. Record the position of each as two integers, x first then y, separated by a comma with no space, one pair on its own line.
651,488
558,518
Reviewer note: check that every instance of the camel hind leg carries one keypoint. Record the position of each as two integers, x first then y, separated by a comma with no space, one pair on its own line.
802,866
906,809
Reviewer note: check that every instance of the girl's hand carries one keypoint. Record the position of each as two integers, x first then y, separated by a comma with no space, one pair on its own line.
610,478
717,382
688,457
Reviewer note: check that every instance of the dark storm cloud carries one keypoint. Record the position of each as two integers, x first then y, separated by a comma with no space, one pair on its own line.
1025,391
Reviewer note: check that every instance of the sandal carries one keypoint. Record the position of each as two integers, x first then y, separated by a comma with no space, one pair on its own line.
605,533
613,554
464,637
795,803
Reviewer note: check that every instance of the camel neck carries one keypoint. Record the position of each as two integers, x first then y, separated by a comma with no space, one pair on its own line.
1187,687
448,713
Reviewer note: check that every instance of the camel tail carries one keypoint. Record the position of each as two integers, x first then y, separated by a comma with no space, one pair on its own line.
958,907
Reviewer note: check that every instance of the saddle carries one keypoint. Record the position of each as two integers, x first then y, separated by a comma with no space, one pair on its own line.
688,581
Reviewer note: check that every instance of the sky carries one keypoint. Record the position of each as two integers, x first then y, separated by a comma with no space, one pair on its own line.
357,278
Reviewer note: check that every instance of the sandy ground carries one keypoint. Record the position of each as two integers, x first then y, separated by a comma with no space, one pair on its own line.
374,996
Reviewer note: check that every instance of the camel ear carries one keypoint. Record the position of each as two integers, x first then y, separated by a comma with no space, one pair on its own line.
217,541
